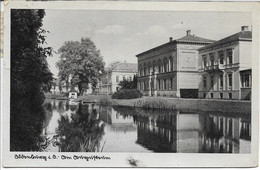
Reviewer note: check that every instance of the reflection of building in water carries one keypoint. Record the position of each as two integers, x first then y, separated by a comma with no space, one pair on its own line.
191,132
117,121
157,132
234,135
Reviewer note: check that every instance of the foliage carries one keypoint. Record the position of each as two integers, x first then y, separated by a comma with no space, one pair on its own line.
30,75
127,94
126,84
80,63
83,133
155,103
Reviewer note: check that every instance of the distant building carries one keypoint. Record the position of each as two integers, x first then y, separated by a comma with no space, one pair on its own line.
110,80
225,67
59,87
171,69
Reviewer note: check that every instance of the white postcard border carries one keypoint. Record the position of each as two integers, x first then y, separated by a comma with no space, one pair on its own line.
120,159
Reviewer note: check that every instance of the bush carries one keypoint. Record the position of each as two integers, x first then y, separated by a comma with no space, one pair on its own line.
127,94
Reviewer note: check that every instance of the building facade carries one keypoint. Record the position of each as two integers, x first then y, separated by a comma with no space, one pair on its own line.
172,68
110,80
225,67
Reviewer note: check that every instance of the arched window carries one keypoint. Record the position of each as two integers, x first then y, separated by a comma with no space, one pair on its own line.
149,68
170,64
154,66
159,66
144,69
140,70
165,65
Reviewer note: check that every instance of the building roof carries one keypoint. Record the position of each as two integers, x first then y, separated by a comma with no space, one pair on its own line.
193,38
186,39
73,90
240,36
125,67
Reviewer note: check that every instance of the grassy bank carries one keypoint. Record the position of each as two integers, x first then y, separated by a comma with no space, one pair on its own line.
231,106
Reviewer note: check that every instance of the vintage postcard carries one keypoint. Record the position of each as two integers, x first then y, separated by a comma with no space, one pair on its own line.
130,84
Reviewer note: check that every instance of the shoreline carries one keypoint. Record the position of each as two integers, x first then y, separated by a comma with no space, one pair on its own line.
211,105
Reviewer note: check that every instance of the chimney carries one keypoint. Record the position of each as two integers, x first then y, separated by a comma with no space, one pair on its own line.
244,28
170,38
188,32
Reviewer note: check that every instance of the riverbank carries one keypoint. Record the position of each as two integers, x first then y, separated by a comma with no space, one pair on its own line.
213,105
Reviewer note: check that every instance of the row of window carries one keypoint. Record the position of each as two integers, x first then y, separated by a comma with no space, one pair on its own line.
210,61
160,67
123,78
162,84
220,81
245,80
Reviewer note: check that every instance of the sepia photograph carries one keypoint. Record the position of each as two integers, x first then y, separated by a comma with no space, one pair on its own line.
129,81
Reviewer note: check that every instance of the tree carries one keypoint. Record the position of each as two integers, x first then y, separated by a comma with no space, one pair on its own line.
80,63
126,84
30,75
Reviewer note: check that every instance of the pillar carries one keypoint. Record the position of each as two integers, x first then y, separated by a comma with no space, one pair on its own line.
149,84
155,84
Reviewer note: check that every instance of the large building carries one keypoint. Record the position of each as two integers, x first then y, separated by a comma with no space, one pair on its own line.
120,71
171,69
225,67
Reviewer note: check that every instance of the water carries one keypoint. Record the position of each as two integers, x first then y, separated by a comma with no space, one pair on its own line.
72,127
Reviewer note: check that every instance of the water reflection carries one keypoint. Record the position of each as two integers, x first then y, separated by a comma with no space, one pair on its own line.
71,127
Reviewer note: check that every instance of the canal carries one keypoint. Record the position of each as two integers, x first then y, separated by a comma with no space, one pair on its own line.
74,127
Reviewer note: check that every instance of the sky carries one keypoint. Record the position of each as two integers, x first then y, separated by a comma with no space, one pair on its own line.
121,35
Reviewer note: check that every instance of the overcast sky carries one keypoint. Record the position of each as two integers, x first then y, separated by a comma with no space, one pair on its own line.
120,35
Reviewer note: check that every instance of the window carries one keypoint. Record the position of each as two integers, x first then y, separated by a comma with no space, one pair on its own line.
164,84
204,61
221,57
171,84
171,64
211,81
246,79
159,84
165,65
220,81
230,56
117,78
159,66
230,95
130,78
204,81
230,79
204,95
211,95
145,69
212,59
221,95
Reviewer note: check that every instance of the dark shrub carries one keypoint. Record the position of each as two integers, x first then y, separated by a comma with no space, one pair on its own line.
127,94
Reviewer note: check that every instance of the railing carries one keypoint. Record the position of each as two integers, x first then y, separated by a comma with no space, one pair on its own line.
232,65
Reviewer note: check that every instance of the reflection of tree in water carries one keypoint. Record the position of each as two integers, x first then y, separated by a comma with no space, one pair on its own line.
48,108
60,108
83,133
73,107
67,106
